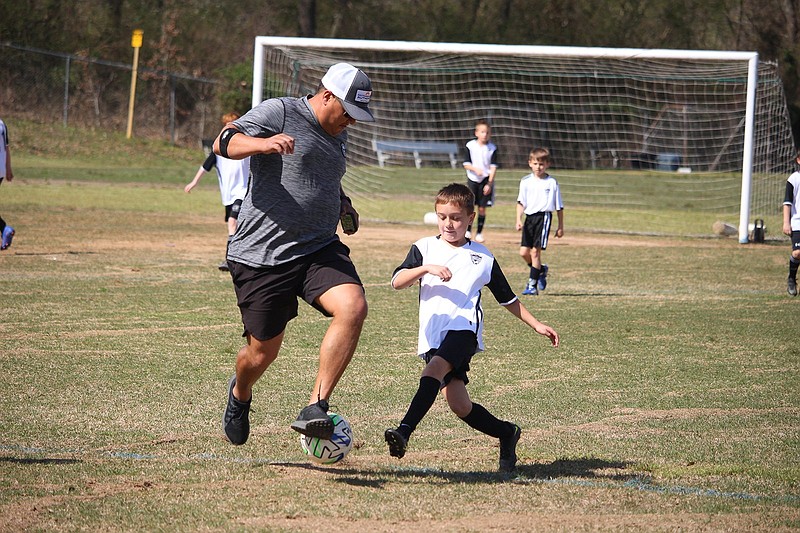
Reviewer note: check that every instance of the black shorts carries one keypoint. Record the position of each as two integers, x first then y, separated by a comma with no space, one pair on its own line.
481,200
267,296
536,230
457,348
795,240
232,211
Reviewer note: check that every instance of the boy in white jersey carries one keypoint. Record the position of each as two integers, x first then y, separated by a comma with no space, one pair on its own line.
451,271
539,196
480,162
233,176
791,225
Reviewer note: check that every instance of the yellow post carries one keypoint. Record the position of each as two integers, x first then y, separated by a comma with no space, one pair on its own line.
136,43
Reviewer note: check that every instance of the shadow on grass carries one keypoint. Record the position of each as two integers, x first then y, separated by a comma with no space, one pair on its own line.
38,461
590,469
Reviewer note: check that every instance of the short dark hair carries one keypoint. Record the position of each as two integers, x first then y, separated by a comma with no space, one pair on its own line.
456,194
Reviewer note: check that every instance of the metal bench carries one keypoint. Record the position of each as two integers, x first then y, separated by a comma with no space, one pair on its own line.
416,148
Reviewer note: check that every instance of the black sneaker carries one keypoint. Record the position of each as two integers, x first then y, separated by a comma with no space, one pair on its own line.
397,442
508,450
313,421
791,286
236,419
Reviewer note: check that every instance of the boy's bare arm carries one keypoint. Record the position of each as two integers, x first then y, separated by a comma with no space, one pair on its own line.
787,219
518,310
408,276
560,229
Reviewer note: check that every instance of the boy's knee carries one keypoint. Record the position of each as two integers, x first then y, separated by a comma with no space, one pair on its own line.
460,407
796,254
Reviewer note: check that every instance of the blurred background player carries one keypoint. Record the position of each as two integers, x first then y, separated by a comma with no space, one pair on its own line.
233,175
480,162
791,224
539,196
6,231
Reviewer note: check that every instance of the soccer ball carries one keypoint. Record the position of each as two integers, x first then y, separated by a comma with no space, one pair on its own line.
331,451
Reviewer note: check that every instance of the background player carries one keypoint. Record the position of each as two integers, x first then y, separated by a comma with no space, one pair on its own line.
6,231
480,161
233,175
791,225
539,196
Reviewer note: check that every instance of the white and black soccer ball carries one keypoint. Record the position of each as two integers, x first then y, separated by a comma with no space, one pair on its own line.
326,452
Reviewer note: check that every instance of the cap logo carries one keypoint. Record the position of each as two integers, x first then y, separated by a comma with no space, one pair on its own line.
363,97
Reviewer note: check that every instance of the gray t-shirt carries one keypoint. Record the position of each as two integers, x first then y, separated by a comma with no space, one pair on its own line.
292,204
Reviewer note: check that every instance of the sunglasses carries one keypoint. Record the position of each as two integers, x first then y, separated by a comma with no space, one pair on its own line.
344,110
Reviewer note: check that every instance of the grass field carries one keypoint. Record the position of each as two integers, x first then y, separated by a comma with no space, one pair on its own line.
672,404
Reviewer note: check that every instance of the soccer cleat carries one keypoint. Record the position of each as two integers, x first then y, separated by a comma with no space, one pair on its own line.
530,288
791,286
236,419
508,450
397,443
542,285
223,266
8,234
313,421
479,237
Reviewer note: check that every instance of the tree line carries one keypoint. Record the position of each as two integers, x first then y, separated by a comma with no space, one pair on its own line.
214,39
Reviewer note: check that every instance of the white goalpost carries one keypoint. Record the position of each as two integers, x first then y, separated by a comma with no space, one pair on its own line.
712,114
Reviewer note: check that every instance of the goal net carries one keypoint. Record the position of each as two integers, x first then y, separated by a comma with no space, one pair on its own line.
663,132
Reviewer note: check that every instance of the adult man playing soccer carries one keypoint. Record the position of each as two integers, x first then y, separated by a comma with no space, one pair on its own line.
286,244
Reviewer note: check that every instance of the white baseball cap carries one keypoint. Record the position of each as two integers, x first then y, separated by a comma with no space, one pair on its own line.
353,89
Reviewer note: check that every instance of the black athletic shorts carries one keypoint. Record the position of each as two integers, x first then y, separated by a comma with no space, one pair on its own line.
457,348
481,200
267,296
536,230
795,240
232,211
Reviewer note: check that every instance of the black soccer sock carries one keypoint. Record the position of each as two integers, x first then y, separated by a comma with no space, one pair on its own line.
421,403
481,222
535,273
793,264
485,422
2,225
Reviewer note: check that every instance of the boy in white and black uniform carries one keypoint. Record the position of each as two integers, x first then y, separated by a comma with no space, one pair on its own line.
791,225
451,271
233,175
539,196
480,162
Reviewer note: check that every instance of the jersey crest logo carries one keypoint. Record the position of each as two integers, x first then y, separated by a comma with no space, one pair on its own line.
476,258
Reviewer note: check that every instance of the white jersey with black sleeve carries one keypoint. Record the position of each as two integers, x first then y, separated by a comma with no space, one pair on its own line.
454,305
481,156
792,199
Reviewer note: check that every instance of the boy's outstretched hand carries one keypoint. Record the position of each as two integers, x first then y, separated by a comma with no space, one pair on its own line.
547,331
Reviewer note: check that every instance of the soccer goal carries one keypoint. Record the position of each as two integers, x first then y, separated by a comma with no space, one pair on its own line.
632,129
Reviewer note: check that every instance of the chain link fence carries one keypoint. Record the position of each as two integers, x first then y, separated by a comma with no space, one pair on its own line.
47,86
